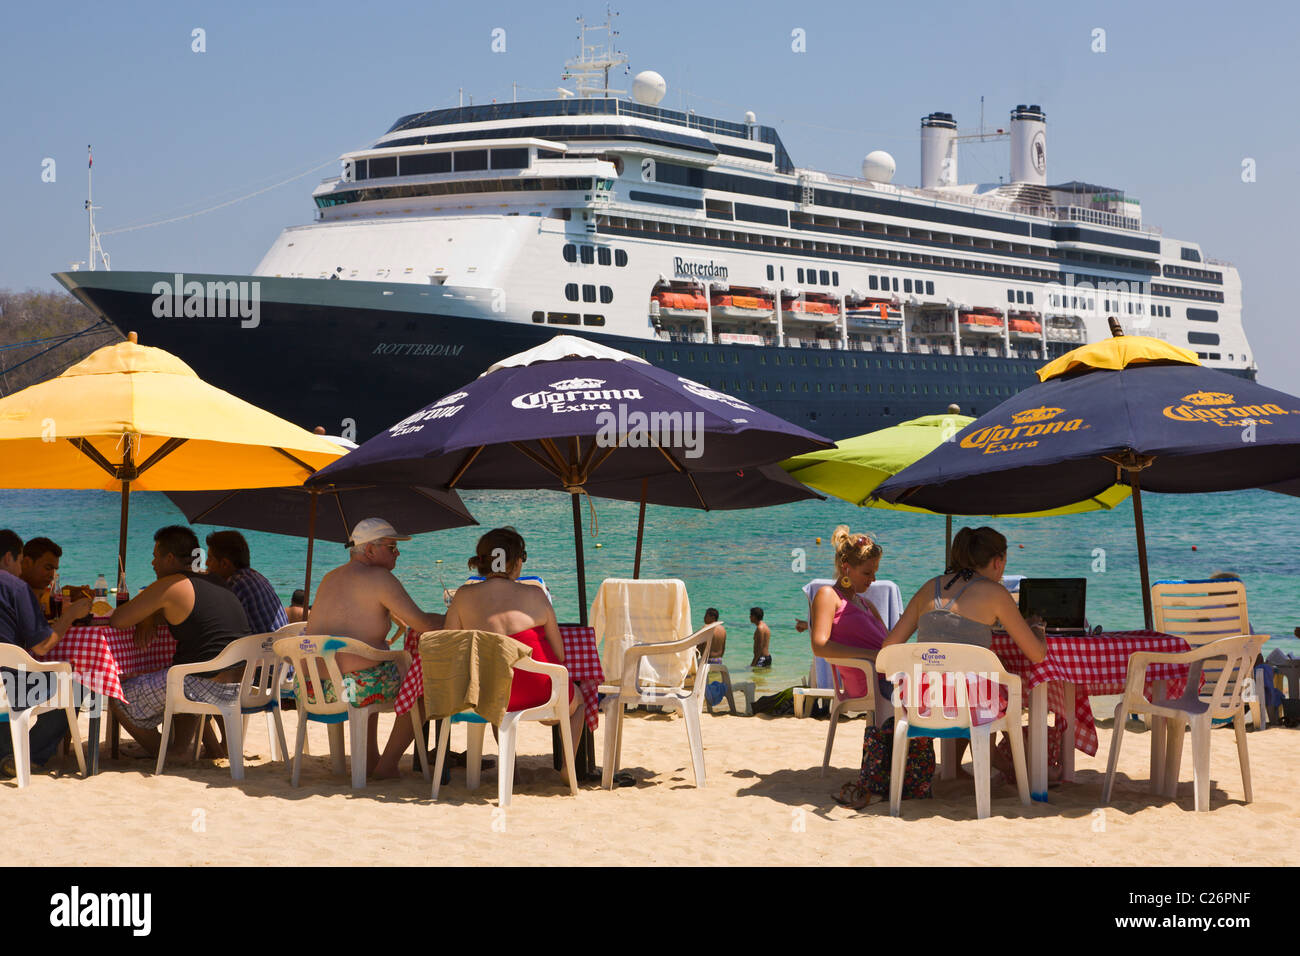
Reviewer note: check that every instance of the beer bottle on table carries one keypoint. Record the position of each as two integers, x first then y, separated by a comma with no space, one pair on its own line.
122,594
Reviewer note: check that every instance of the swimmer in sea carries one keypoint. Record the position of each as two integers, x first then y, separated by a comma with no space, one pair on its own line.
762,639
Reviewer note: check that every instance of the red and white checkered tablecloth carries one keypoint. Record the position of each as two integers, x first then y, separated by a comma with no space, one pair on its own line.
1098,664
581,658
101,655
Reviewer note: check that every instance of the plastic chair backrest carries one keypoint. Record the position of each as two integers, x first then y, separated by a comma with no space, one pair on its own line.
260,686
941,684
1200,611
643,611
305,652
1222,691
17,658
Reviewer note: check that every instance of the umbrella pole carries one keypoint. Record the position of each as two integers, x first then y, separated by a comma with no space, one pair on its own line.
640,529
1142,549
582,570
947,541
311,540
121,533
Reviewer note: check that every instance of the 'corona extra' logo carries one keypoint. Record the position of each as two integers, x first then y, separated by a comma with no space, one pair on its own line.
1208,398
1040,414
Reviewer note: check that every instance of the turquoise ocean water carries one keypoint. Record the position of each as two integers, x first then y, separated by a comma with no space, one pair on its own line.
737,559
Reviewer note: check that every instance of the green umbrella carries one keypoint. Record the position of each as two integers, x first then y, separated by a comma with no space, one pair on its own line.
855,466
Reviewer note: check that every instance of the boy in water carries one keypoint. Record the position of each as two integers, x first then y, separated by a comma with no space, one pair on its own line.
762,639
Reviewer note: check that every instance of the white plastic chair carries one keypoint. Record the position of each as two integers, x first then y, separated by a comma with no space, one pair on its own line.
304,652
842,701
259,693
1200,712
630,692
1203,611
629,611
951,665
555,708
20,721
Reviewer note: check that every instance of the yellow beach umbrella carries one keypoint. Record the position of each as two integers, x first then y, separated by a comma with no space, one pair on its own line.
133,417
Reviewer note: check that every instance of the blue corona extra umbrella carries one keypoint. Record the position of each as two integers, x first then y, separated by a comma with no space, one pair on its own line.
582,418
1127,410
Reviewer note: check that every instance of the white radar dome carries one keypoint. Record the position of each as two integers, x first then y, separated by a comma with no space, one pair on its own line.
878,166
750,117
648,88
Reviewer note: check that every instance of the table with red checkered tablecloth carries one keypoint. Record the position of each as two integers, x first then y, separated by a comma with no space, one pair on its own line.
581,659
101,655
1076,667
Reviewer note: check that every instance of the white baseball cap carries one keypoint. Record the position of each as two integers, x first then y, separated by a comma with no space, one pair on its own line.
373,529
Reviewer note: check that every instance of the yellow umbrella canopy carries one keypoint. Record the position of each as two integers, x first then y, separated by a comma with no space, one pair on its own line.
133,417
1120,351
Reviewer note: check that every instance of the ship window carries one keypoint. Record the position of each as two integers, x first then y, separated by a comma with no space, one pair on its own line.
782,273
751,384
588,254
606,294
620,258
907,285
593,320
1203,315
426,163
603,256
571,292
873,282
895,284
1020,296
778,386
539,317
835,278
771,273
588,293
1011,295
800,274
675,358
570,252
826,277
513,158
1203,338
1029,298
690,356
659,356
359,170
562,318
383,167
468,160
929,288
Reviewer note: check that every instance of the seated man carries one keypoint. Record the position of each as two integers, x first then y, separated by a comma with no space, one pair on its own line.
296,612
360,599
228,560
40,563
204,616
23,623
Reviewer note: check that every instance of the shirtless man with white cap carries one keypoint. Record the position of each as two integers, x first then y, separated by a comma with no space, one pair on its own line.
360,599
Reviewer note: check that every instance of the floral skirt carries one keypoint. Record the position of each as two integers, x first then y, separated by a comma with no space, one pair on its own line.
877,760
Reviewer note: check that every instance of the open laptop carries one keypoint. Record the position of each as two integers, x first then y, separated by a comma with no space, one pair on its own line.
1059,602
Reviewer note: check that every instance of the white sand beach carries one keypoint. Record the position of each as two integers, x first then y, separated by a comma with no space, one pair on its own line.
765,803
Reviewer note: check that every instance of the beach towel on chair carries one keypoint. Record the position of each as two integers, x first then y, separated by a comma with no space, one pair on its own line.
628,612
468,670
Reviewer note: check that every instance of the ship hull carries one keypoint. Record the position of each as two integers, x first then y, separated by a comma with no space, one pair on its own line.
356,357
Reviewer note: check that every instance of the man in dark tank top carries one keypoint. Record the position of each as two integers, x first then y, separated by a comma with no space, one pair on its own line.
204,616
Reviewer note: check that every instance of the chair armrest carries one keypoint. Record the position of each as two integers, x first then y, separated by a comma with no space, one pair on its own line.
11,655
632,656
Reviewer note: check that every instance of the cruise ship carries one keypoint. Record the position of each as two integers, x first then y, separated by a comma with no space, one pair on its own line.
840,303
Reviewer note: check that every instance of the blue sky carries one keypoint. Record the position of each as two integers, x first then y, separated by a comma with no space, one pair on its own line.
1181,96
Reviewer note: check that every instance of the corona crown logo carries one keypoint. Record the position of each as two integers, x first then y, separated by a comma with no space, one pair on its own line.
1209,398
1040,414
578,384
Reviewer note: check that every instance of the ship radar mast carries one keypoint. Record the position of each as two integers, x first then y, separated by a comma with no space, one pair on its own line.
95,245
590,69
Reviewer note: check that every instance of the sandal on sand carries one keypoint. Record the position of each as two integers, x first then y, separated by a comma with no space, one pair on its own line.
8,767
852,794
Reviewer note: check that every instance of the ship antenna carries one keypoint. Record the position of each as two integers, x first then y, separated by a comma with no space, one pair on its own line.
592,65
95,244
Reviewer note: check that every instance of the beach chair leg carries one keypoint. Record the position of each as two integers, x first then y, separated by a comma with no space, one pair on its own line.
22,748
443,730
422,754
114,736
613,714
235,725
1201,762
278,719
336,748
566,738
731,693
474,754
979,755
74,734
1175,728
830,736
1239,725
299,748
166,736
1116,738
198,736
357,732
694,736
1018,762
96,705
506,761
948,758
897,764
1067,734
